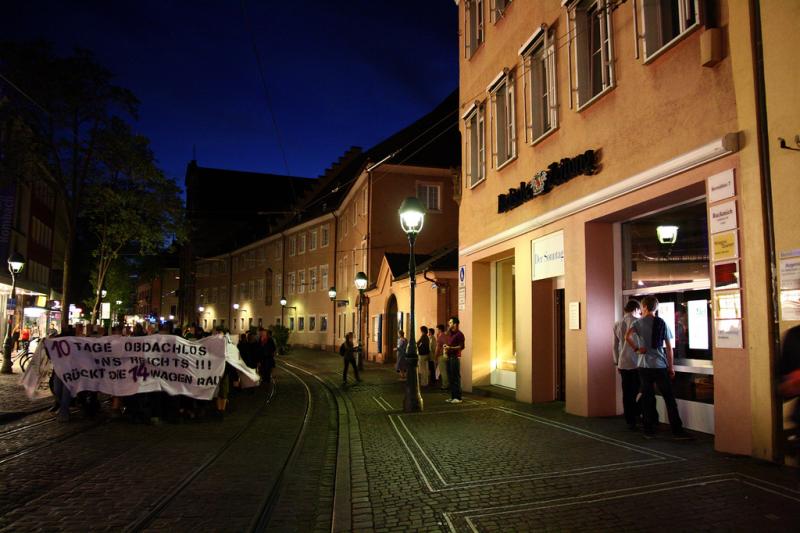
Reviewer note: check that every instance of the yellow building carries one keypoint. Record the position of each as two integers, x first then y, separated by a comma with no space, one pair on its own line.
591,130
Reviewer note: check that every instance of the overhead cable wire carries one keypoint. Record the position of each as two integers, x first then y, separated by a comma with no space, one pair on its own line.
26,95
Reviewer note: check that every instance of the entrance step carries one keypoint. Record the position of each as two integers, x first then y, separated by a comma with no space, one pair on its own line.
493,391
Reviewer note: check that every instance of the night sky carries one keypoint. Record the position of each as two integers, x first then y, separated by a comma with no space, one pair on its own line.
338,73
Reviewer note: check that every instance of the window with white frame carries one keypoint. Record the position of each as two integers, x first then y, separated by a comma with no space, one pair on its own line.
473,23
540,76
312,323
301,323
428,194
476,145
323,322
323,276
594,59
312,239
290,280
312,279
665,21
291,323
278,284
292,245
324,235
497,8
301,245
503,117
301,281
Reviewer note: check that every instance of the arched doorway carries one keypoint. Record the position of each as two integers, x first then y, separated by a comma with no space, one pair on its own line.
390,330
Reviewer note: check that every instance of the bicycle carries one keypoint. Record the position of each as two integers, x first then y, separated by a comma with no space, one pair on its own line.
24,355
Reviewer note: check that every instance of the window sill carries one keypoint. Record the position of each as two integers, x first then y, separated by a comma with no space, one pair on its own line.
543,136
595,98
507,162
473,185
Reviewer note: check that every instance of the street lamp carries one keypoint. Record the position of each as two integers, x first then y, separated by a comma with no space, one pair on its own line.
412,216
15,264
284,306
361,285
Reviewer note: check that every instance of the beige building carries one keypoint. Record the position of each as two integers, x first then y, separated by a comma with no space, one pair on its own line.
593,130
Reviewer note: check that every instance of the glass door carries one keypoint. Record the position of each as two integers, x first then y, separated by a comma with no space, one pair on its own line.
504,362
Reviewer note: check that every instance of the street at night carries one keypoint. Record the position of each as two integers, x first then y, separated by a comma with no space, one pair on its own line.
437,265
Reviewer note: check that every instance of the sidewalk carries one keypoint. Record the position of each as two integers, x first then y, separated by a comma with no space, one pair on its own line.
492,464
14,403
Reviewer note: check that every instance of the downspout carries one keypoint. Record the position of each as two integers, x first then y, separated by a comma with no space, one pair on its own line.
762,134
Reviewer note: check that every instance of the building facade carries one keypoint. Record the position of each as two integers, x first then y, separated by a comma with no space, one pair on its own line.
609,152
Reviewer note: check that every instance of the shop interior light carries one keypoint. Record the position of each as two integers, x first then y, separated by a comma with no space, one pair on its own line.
667,234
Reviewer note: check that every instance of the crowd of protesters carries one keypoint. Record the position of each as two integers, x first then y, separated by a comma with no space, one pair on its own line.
257,349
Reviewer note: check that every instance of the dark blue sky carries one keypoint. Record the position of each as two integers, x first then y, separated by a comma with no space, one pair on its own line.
339,73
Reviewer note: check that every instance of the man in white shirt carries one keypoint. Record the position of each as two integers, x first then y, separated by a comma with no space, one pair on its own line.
627,362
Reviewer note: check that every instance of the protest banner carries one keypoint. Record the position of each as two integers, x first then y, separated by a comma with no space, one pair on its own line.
122,366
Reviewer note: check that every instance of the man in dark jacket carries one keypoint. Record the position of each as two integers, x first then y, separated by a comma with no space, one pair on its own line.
347,351
266,351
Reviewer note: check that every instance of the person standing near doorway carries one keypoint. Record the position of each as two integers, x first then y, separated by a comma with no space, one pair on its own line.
650,337
627,362
453,346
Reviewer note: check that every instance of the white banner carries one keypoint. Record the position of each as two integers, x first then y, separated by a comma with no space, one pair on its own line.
122,366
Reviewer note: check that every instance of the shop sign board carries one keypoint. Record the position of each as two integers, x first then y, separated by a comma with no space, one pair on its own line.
723,217
725,245
547,256
721,186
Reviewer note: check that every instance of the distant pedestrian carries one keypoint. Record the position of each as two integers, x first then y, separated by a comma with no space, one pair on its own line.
423,354
348,352
432,357
267,351
402,363
453,346
627,363
650,337
441,357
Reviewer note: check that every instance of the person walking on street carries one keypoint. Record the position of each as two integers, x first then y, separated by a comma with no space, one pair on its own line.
348,350
402,363
627,362
423,352
441,357
452,348
648,336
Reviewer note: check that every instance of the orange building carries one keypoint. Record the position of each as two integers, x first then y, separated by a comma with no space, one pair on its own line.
610,150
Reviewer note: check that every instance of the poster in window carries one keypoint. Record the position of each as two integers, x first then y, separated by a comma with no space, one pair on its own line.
725,245
790,272
726,275
790,305
728,333
727,305
698,324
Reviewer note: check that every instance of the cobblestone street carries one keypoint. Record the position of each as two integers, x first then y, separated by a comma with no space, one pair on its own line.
486,465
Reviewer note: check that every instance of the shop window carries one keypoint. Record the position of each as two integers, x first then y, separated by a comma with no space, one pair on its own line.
665,21
540,72
476,145
505,317
593,48
676,272
503,117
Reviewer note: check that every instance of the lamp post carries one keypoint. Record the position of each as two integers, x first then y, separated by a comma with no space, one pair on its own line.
412,216
15,264
361,285
283,306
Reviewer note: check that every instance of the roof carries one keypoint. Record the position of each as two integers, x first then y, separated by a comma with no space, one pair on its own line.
248,213
445,259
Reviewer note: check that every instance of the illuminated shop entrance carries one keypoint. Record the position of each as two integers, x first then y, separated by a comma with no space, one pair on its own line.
666,254
504,358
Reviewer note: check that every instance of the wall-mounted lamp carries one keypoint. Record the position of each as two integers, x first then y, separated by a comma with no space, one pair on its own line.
667,234
236,306
332,296
201,308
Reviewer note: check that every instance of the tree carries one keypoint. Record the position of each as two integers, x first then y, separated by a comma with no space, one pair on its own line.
133,206
66,106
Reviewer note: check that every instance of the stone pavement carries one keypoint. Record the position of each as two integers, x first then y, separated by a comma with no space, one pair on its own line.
488,464
496,465
14,403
